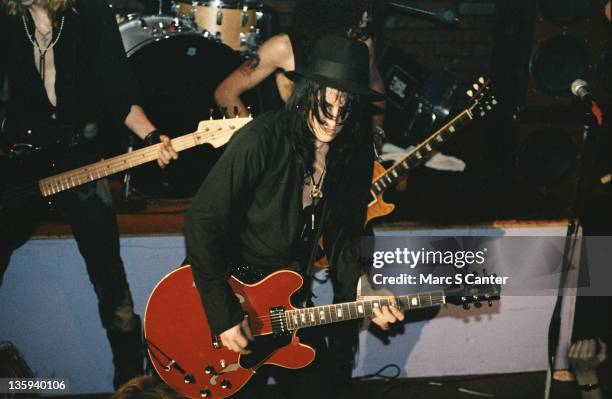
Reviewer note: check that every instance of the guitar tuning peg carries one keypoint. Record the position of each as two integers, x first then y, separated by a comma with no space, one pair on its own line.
235,111
477,304
466,306
249,110
475,86
470,93
481,80
223,111
490,302
211,111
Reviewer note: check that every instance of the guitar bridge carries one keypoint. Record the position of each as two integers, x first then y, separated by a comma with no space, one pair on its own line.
279,322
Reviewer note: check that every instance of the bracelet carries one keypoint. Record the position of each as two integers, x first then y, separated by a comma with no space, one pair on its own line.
588,387
152,137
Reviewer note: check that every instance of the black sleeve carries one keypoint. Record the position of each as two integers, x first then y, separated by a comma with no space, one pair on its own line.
113,71
209,228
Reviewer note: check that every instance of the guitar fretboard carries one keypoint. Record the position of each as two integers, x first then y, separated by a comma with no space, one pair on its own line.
213,132
327,314
420,153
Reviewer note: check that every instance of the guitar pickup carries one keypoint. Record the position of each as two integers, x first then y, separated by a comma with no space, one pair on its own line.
279,325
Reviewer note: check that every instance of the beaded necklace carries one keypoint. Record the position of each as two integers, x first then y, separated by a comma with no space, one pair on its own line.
42,52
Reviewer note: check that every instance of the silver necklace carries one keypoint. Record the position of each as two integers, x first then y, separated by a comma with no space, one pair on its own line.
315,190
316,193
42,52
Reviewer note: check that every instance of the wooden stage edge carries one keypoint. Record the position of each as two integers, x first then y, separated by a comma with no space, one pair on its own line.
167,218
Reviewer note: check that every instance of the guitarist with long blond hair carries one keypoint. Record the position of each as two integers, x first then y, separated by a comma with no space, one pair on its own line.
67,70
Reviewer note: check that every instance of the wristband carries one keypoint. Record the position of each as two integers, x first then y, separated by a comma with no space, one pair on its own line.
588,387
152,137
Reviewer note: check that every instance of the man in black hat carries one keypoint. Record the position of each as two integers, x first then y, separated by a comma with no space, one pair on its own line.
284,180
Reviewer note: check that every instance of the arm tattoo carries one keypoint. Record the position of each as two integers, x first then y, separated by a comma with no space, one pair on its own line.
249,65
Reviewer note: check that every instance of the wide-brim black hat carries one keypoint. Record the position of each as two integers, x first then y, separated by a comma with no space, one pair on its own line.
341,63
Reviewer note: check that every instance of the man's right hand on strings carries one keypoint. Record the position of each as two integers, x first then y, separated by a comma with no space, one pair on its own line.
237,338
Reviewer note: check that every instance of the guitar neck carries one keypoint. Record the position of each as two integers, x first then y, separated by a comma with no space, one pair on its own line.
208,132
328,314
420,153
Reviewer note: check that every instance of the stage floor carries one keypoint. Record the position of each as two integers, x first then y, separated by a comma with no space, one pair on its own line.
523,386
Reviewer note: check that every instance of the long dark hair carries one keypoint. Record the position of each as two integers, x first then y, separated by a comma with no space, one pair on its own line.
309,97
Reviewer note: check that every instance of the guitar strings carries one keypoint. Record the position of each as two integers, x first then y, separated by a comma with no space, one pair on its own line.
423,144
384,302
179,143
270,322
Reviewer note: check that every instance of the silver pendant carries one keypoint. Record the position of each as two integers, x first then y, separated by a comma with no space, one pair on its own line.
315,192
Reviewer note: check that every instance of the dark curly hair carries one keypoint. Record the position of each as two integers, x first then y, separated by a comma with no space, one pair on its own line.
314,19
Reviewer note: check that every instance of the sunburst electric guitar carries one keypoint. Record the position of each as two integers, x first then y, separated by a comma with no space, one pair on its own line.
482,101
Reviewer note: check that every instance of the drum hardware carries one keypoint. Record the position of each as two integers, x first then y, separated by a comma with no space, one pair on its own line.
173,69
230,21
245,16
250,40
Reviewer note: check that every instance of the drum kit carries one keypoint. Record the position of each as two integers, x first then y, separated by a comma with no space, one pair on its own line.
178,61
231,22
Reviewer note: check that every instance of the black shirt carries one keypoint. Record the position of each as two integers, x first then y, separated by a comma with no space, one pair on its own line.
249,209
93,76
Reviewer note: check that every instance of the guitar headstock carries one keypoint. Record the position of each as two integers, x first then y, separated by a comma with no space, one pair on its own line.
482,98
467,294
217,132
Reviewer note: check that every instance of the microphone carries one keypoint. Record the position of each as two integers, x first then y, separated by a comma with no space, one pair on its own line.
447,17
580,89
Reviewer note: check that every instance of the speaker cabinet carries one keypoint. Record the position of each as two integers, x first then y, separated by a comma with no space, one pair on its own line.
542,46
570,41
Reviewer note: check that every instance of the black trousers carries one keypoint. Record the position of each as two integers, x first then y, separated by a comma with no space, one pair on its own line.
93,221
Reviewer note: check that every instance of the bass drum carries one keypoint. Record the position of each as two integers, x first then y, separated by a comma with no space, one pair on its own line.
178,70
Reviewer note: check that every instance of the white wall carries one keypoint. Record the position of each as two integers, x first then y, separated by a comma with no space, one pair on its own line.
48,309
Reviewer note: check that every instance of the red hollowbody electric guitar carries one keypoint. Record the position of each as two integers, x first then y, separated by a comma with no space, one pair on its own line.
191,360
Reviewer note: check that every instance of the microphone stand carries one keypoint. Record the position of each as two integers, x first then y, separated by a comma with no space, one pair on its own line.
447,17
586,165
